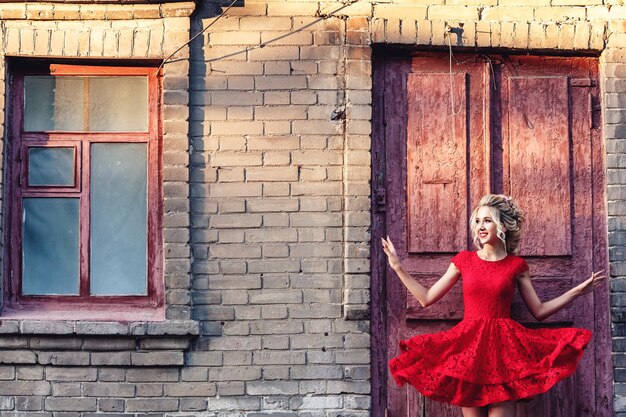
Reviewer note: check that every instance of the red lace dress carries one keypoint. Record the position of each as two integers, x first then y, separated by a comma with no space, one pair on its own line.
488,357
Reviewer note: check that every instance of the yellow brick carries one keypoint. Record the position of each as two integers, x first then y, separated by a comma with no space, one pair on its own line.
276,38
340,9
92,11
576,2
141,42
392,31
27,41
566,36
600,13
618,12
146,11
559,14
471,2
235,38
265,23
35,11
390,11
424,32
483,34
408,31
507,34
552,36
520,36
469,34
439,33
56,42
291,9
495,29
110,43
518,3
66,12
13,11
617,26
582,35
616,40
598,33
96,42
182,9
126,43
378,30
118,12
508,14
452,13
537,36
12,41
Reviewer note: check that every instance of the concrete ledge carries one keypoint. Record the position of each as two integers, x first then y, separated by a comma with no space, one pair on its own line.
85,328
94,9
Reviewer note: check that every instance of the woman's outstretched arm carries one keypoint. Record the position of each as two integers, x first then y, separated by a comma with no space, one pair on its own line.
542,310
425,296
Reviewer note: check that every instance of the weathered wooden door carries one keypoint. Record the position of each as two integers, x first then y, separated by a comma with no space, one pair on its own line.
524,126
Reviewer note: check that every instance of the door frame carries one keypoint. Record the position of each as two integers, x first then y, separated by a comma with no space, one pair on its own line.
381,58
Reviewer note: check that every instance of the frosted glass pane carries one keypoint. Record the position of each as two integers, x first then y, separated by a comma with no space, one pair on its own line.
86,104
118,104
50,166
119,226
50,246
53,103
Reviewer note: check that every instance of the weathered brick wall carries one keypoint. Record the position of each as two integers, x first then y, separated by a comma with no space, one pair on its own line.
267,121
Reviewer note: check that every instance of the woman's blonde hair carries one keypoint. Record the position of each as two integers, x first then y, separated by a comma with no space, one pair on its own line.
506,214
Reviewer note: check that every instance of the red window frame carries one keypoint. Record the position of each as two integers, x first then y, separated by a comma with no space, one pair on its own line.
15,303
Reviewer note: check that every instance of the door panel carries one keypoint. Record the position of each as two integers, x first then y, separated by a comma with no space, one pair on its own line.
513,125
437,163
538,118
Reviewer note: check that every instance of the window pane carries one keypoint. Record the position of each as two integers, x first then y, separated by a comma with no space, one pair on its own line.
53,103
118,104
118,219
50,166
50,246
86,104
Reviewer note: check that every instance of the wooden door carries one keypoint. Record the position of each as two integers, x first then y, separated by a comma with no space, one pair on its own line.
524,126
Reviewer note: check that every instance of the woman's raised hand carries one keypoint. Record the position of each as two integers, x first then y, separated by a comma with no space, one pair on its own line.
596,279
390,251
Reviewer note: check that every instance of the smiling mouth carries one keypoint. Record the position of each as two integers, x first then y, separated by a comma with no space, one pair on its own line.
482,234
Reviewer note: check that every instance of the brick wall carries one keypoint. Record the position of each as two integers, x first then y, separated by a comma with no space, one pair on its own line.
267,121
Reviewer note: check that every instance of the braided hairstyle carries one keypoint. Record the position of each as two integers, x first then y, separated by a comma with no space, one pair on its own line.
506,214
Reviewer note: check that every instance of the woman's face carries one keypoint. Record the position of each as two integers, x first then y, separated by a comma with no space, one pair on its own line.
485,227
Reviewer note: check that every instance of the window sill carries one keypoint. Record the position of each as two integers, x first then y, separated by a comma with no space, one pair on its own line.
12,326
100,343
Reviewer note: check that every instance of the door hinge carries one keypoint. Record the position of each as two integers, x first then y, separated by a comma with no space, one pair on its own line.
582,82
380,200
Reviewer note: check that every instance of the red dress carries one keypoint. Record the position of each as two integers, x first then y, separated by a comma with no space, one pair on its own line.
488,357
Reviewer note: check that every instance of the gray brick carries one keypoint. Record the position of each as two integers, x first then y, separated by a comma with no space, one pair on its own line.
70,404
235,373
152,404
164,358
234,403
190,389
272,388
320,372
152,375
99,389
59,373
278,358
18,357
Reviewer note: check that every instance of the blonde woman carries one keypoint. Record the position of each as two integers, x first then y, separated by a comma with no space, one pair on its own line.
488,361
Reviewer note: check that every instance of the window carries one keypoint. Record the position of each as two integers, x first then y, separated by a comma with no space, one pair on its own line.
85,222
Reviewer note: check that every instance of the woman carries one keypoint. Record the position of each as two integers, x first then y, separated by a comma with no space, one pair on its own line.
488,361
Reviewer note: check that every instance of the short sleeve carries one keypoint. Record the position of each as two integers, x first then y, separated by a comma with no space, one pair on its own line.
459,260
522,267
